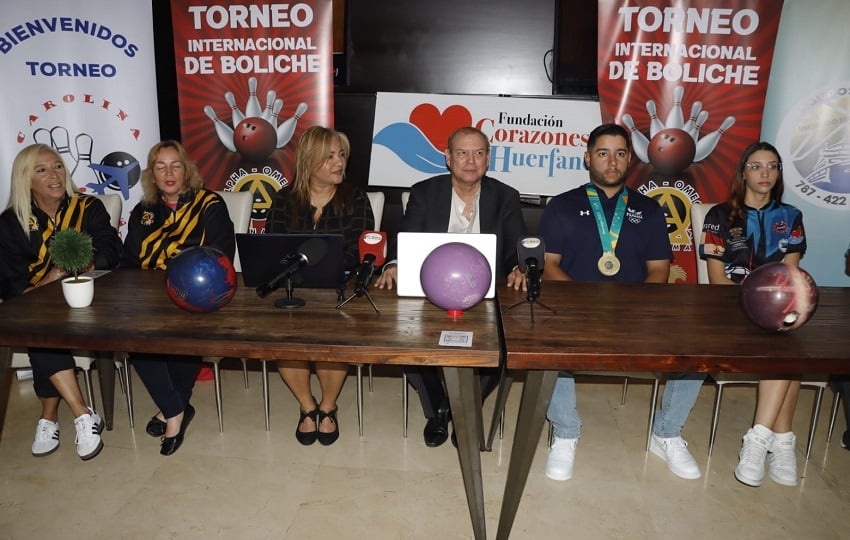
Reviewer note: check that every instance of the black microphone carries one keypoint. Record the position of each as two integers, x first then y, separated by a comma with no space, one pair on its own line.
373,253
309,254
531,252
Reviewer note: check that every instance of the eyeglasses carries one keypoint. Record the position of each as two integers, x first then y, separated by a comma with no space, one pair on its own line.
462,154
758,167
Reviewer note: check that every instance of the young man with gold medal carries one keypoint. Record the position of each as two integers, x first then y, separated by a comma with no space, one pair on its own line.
604,231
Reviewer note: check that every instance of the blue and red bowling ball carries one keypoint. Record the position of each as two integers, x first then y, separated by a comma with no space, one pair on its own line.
200,279
455,277
779,296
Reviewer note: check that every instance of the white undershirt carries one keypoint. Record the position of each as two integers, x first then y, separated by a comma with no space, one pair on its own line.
458,222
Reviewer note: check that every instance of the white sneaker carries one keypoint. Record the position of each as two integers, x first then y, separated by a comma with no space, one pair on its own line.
562,456
88,441
674,450
46,438
782,459
750,469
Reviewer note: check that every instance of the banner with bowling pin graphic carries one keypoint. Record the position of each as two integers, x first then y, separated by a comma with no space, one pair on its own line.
251,77
689,80
80,77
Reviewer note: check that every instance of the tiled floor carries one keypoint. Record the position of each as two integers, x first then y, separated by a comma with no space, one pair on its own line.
250,483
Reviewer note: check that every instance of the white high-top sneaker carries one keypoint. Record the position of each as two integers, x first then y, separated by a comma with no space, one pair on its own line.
750,469
782,459
562,456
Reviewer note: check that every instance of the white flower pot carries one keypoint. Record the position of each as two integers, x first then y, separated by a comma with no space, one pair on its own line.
79,291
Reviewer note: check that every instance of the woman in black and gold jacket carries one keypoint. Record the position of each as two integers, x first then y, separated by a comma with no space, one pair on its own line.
175,213
42,201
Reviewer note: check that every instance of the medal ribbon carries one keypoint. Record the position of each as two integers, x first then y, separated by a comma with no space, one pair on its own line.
608,236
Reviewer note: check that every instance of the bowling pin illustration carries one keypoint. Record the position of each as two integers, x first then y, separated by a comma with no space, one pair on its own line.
707,144
286,129
84,144
253,108
236,114
675,118
640,143
701,118
655,125
224,132
278,105
267,112
60,141
692,119
41,136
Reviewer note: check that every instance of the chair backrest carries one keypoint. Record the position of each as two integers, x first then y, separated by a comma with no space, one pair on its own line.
240,204
376,199
405,196
698,213
113,204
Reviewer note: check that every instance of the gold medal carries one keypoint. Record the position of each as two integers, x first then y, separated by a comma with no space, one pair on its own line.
608,264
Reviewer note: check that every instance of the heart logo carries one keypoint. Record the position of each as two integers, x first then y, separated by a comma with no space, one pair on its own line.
438,126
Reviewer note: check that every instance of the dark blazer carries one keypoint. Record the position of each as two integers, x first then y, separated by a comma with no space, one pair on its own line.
500,213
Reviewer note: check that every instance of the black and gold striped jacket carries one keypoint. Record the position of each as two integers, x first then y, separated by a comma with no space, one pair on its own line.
155,234
24,258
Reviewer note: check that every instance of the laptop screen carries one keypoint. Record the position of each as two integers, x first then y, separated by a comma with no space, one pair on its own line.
414,247
262,256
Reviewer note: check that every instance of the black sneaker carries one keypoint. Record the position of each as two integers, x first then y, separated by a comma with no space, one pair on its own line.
845,440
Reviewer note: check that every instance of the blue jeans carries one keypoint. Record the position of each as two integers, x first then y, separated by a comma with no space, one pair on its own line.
680,394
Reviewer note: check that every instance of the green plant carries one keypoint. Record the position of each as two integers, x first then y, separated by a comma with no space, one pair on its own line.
71,250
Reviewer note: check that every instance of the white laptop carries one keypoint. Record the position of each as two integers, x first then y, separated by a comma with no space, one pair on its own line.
414,247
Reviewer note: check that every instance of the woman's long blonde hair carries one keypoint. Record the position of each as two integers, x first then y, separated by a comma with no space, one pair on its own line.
20,193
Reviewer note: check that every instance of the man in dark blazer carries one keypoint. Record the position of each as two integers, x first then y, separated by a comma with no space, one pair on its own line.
464,201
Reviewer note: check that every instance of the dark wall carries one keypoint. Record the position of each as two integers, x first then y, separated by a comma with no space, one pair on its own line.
450,46
491,47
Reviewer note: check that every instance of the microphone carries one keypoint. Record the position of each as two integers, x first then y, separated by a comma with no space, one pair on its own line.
373,253
530,252
309,254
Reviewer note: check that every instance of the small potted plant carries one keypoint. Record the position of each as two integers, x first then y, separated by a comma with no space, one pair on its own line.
72,251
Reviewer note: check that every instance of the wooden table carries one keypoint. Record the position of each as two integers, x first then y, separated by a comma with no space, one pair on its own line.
650,327
132,312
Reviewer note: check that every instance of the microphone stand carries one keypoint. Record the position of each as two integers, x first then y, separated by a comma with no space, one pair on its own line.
531,299
355,295
290,301
358,290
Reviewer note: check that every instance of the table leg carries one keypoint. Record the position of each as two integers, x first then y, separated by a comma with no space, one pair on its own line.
106,376
504,390
465,400
5,379
536,393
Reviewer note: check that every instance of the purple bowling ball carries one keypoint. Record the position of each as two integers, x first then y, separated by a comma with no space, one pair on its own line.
455,276
779,296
